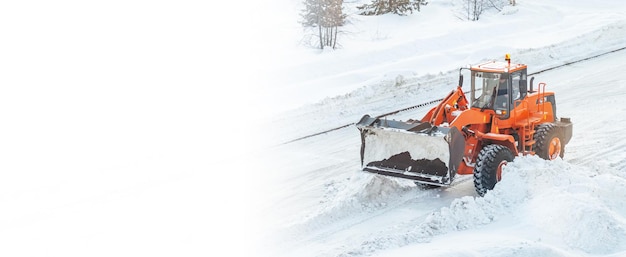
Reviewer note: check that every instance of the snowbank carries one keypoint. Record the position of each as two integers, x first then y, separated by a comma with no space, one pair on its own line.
579,206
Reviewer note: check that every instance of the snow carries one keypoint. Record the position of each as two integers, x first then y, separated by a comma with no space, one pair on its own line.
143,128
315,201
398,142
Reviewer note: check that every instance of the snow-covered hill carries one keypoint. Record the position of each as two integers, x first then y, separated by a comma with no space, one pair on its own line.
314,201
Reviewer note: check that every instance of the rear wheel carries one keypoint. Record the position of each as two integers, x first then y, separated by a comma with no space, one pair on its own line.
548,143
489,164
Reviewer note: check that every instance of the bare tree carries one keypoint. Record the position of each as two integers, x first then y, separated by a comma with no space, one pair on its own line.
327,16
400,7
498,4
473,9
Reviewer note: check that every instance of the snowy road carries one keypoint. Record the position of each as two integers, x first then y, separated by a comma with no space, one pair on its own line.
592,94
327,207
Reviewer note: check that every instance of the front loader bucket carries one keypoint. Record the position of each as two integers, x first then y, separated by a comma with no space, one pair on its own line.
410,149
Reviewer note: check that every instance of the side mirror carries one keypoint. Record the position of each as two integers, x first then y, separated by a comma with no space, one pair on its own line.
531,84
460,80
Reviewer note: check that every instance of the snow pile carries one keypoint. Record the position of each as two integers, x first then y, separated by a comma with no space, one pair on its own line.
580,206
585,211
384,143
347,203
362,192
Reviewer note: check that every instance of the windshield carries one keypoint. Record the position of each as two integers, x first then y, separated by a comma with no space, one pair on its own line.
486,88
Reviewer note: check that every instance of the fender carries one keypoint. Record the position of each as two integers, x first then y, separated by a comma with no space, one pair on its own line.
472,116
501,139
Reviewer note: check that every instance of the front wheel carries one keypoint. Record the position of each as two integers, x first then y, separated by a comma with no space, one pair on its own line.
548,144
489,164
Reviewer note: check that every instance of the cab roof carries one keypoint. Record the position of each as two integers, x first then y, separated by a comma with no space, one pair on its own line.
498,66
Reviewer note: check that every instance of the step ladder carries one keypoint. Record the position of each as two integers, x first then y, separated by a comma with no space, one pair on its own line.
527,137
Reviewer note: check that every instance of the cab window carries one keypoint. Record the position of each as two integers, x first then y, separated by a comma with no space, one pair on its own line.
487,84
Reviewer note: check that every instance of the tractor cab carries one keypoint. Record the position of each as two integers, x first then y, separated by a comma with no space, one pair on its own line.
497,85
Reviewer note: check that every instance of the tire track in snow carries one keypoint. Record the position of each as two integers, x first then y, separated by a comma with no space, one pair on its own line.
595,109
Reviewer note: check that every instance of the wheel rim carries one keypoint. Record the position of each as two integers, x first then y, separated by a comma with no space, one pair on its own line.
499,170
554,148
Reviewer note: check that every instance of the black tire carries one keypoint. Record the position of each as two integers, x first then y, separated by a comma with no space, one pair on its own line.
490,159
548,142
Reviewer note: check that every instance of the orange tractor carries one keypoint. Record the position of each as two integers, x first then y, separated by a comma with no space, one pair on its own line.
507,117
